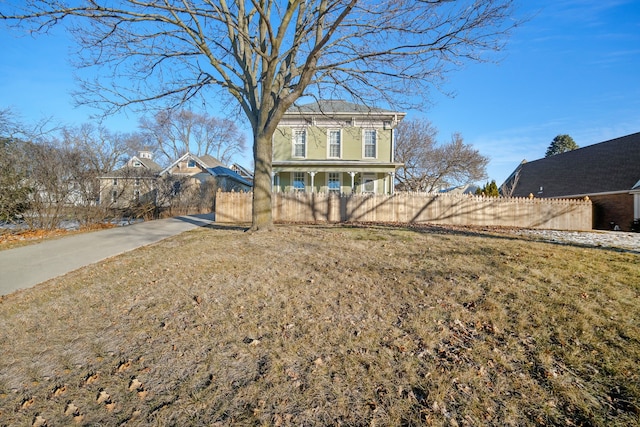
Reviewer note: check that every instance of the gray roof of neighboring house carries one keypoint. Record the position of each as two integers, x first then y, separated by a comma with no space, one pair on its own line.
149,164
337,106
607,167
223,171
210,161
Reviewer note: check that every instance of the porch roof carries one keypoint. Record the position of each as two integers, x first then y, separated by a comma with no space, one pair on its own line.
334,166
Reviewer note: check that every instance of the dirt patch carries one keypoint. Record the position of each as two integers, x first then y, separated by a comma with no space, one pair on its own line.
10,240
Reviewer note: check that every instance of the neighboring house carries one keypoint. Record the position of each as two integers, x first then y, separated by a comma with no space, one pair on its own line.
134,183
242,171
461,189
198,170
192,178
335,146
608,173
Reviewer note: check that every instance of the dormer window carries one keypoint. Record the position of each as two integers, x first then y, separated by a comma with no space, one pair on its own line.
136,164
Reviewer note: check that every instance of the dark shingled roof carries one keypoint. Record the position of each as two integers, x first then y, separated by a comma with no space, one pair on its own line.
336,106
610,166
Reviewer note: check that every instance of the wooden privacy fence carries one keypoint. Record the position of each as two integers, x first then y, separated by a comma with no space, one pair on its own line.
556,214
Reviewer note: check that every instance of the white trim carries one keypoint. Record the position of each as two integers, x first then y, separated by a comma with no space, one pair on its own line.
636,206
294,131
329,131
339,181
363,183
364,139
184,158
604,193
304,180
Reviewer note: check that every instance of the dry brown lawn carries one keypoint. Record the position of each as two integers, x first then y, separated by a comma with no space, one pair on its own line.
329,325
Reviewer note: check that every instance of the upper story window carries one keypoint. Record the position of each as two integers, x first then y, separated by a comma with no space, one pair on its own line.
191,164
299,143
334,144
370,143
136,164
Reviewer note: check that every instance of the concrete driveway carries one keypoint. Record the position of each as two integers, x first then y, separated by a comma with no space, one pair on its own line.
29,265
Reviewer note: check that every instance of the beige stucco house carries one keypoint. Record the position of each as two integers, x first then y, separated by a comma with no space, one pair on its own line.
134,183
335,146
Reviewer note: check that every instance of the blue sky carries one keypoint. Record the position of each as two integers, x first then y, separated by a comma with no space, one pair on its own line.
572,68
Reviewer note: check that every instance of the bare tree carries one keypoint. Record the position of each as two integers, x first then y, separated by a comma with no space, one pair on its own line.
266,54
8,123
178,132
429,166
415,142
15,190
508,187
103,150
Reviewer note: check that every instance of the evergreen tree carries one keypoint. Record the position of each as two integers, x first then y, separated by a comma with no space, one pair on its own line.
490,189
561,144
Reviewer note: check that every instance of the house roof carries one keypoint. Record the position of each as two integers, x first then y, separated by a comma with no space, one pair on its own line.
222,171
242,171
146,168
206,161
210,161
608,167
148,163
333,107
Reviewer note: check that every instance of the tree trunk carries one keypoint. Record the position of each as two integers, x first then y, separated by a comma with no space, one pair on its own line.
262,150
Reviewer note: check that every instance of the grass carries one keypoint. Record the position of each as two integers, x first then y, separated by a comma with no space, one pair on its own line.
329,325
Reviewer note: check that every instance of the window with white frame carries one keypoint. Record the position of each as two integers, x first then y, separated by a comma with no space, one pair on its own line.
114,196
299,181
334,144
370,140
299,143
368,183
191,163
333,181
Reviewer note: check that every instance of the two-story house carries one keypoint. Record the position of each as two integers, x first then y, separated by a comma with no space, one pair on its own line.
335,146
133,183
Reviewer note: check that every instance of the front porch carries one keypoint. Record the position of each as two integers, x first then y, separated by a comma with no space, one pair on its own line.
341,182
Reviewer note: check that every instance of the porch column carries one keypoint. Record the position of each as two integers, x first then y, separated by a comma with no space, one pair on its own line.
392,178
276,181
353,181
313,175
